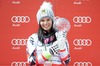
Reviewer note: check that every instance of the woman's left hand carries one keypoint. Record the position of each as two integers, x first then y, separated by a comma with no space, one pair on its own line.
61,43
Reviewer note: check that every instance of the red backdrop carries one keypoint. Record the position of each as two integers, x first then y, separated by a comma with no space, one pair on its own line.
18,22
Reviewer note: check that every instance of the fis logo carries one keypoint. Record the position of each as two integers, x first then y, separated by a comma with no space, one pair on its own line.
82,19
19,42
82,64
20,19
19,64
82,42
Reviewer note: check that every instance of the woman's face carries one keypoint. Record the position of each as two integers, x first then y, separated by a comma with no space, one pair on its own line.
46,23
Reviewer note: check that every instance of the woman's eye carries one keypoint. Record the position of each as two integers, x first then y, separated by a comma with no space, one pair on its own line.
42,20
48,19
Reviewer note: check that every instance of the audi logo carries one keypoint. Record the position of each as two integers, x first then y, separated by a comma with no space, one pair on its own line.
19,42
82,19
20,19
82,42
18,64
82,64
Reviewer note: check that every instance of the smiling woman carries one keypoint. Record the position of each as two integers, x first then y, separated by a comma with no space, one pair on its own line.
43,47
46,23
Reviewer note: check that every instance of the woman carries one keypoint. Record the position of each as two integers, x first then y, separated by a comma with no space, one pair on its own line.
45,48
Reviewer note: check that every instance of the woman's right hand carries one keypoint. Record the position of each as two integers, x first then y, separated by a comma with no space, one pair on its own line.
54,49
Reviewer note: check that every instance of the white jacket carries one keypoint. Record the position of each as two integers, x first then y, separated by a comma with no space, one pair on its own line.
35,48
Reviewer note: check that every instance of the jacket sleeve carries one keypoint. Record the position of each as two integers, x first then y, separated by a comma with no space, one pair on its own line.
33,58
30,48
64,54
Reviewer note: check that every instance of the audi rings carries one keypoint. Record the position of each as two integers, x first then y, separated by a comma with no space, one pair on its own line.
82,64
19,64
20,19
82,42
18,42
82,19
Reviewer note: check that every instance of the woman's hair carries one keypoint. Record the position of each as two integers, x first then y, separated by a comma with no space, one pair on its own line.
42,34
44,11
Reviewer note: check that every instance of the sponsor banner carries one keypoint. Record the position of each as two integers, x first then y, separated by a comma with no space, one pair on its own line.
18,19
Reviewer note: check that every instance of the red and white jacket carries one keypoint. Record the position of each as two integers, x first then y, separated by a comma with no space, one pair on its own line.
35,57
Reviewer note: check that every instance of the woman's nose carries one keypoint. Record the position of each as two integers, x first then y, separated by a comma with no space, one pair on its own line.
45,22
